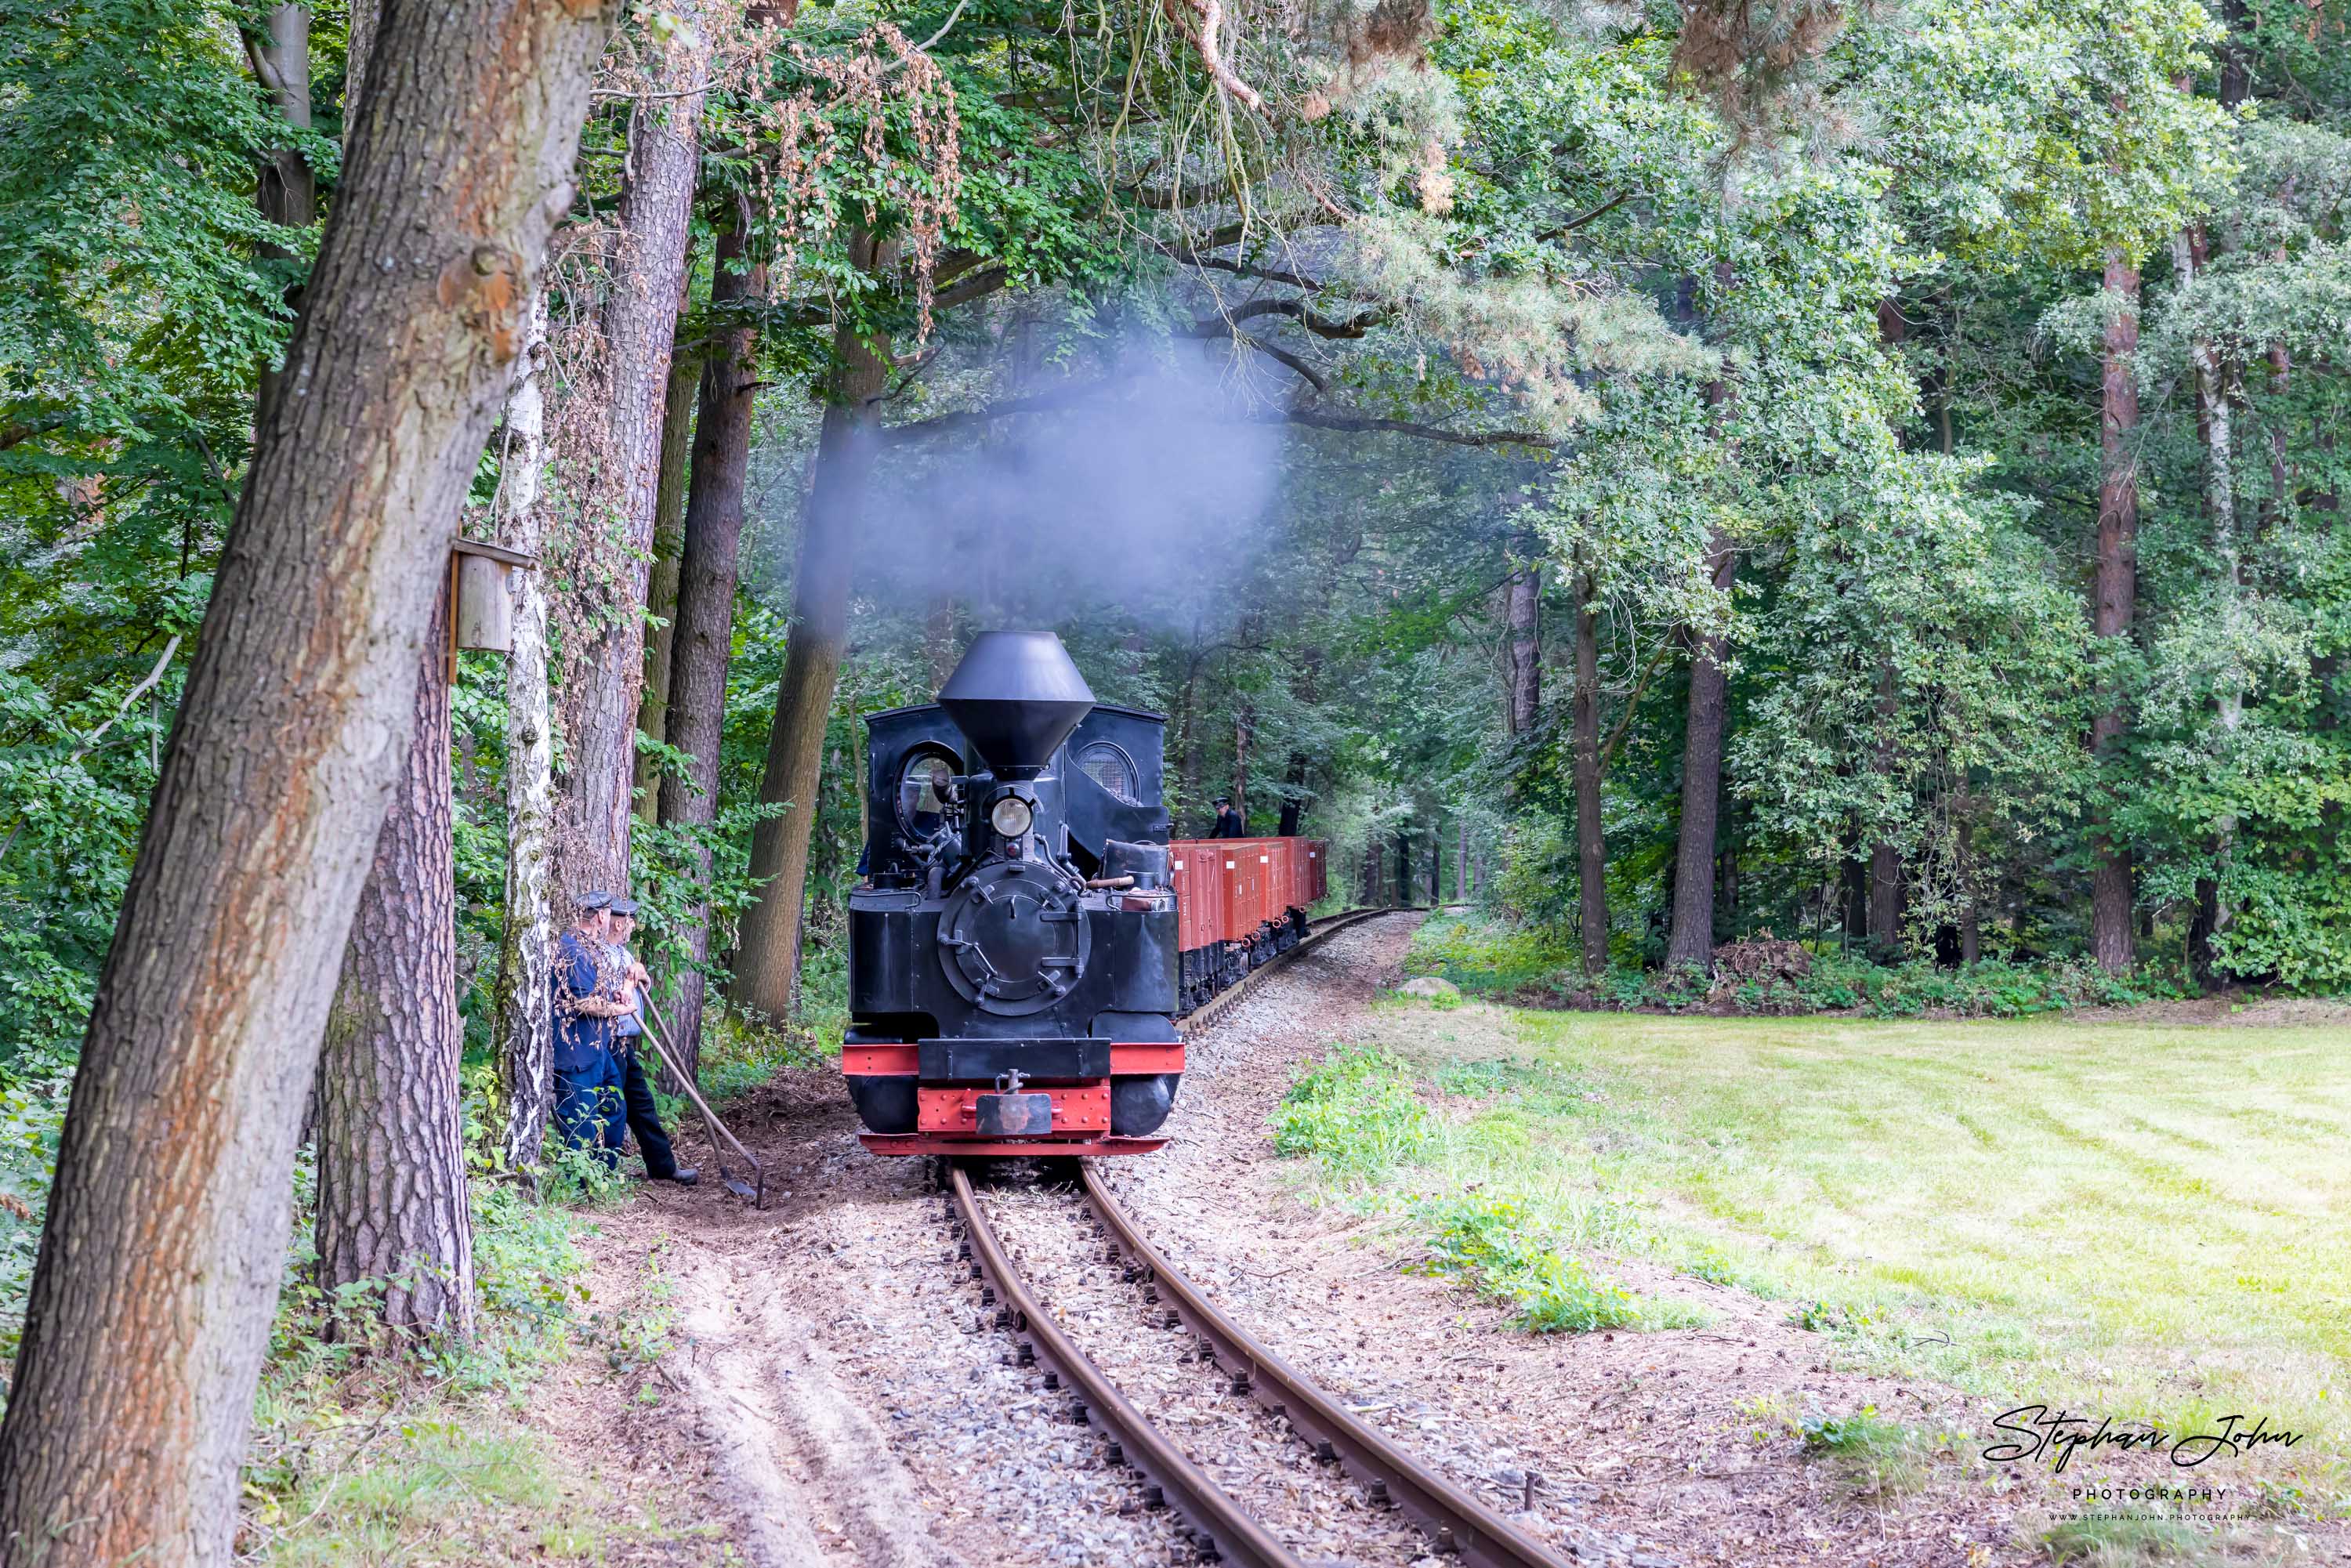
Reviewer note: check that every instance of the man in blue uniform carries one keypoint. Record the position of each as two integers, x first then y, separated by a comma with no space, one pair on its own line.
595,1071
1228,821
587,1105
636,1093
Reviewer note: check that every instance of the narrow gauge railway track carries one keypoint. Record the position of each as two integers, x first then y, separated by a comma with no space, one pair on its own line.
1208,1012
1453,1522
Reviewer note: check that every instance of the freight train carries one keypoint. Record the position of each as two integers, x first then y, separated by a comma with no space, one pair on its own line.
1027,933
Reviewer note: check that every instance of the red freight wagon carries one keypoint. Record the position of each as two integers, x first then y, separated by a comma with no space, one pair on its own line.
1237,903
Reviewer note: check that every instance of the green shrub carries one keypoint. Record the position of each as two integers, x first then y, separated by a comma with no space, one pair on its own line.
1485,1243
1354,1111
1875,1454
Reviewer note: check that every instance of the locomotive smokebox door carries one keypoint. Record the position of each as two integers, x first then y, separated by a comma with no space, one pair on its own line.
1014,1115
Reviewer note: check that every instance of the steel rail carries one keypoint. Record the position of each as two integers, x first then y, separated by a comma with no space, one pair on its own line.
1329,926
1237,1537
1456,1521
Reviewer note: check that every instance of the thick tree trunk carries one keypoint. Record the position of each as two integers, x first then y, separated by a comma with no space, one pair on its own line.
287,190
1293,796
639,322
392,1149
1884,910
706,599
661,582
1375,878
1591,847
522,1003
939,650
2112,943
1241,762
766,964
1692,938
167,1221
1523,614
2216,395
1404,888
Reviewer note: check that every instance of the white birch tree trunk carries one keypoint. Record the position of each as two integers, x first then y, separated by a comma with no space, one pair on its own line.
526,1064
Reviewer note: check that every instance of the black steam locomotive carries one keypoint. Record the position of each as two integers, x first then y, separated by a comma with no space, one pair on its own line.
1013,951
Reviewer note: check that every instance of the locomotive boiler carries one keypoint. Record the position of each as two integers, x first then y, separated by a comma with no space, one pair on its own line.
1013,951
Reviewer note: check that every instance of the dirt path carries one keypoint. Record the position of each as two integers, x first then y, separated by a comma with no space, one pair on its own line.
857,1405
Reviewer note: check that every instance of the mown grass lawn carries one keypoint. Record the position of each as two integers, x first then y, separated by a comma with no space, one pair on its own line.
2140,1220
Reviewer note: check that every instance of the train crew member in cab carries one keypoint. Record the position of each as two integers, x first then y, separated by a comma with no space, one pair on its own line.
1228,821
643,1117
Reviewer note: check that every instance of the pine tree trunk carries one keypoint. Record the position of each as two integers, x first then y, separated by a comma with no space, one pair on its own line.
1294,797
705,599
1884,903
661,582
640,321
391,1154
1374,877
2112,941
1591,847
1241,762
1692,938
165,1237
1522,612
287,190
939,652
766,964
521,1003
2216,395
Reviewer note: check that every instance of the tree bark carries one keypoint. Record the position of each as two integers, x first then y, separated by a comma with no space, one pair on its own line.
522,1003
392,1149
2112,940
1241,762
1591,847
640,325
1404,888
705,597
2216,393
1374,877
661,582
1885,903
1294,797
1692,938
766,964
287,190
939,650
165,1235
1522,612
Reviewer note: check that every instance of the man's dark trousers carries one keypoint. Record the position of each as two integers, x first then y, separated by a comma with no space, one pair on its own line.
645,1120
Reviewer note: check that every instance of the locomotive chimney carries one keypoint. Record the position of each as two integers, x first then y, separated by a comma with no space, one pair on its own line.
1016,696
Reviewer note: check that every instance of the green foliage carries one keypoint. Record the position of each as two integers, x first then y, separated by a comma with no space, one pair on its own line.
1490,1244
1354,1111
1532,966
1876,1455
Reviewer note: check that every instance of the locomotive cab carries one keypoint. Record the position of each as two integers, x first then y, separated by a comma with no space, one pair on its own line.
1013,952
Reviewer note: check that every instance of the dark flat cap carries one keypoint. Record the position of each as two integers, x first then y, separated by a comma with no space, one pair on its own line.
623,906
596,901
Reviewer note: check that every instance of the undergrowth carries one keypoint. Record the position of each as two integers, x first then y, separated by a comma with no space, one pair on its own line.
1490,1245
1355,1112
1534,966
1875,1455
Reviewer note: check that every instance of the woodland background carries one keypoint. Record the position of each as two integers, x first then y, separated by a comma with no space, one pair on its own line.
1670,475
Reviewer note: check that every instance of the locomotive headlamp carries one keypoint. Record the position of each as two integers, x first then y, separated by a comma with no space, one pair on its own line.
1010,816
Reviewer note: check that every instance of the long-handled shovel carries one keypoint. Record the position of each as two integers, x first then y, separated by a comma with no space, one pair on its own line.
720,1138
